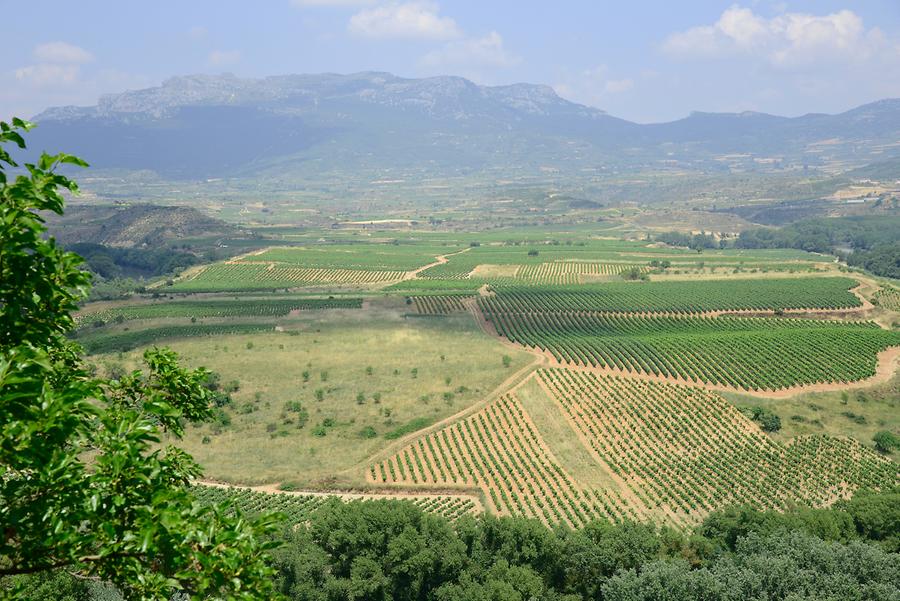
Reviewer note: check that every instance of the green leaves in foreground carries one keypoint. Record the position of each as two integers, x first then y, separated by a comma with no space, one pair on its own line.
86,485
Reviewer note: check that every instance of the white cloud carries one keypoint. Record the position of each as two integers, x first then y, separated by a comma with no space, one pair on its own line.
786,40
224,57
47,75
304,3
595,86
617,86
487,51
61,52
408,20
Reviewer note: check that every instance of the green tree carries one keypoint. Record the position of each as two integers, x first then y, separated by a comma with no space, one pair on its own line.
886,441
85,485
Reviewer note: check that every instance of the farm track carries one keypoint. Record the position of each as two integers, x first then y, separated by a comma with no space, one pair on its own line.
439,260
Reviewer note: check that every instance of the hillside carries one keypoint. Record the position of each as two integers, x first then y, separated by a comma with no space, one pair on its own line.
134,226
202,126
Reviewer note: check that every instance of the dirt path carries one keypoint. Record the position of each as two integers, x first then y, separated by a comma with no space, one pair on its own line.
351,495
438,260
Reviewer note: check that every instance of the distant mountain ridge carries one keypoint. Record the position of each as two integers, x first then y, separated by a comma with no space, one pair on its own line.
223,126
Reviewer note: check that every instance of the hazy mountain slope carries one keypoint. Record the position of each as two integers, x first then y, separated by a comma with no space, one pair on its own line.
215,126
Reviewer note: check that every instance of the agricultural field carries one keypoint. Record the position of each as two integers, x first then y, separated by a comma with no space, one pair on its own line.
742,353
213,308
522,375
240,276
888,297
440,305
661,451
362,256
311,401
677,297
298,507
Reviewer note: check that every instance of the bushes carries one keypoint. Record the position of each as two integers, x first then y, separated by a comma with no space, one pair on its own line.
886,442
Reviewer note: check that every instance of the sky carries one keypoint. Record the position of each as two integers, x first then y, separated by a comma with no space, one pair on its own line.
646,61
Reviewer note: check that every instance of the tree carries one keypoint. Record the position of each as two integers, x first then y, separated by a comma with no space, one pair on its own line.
85,486
886,441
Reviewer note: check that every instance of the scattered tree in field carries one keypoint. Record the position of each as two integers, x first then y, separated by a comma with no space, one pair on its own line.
85,488
507,360
886,441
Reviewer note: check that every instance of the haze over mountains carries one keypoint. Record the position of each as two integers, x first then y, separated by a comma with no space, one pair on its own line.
202,126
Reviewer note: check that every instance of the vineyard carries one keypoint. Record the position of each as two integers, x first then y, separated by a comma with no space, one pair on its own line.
675,453
125,341
297,508
744,353
678,297
217,308
685,451
888,297
499,451
439,305
257,276
372,257
571,272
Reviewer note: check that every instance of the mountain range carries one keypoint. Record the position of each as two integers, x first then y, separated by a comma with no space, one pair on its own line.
203,126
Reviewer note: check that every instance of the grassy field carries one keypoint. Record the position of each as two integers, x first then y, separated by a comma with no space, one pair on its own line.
423,369
856,413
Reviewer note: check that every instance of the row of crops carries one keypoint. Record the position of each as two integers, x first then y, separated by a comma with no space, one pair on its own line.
744,353
96,343
235,276
439,305
298,508
217,308
888,297
678,297
369,256
500,451
683,451
571,272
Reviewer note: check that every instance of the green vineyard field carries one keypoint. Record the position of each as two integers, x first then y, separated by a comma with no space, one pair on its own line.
218,308
674,453
686,451
744,353
297,508
125,341
679,297
224,277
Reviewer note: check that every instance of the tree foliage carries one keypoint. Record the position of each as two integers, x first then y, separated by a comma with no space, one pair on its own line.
87,486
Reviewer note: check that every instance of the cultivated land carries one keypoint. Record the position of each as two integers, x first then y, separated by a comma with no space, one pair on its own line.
519,372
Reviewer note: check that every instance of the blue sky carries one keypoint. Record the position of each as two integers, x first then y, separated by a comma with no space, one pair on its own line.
641,60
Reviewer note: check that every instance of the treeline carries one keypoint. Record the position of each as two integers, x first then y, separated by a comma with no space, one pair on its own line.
110,262
381,550
826,235
872,243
